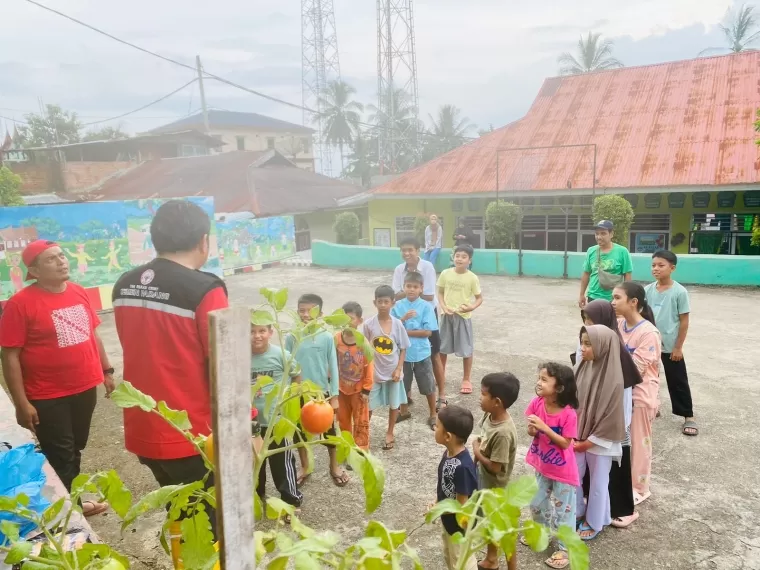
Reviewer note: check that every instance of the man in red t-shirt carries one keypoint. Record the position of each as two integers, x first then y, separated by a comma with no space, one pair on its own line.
161,311
53,360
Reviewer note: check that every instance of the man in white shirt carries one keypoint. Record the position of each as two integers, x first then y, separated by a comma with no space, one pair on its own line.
410,252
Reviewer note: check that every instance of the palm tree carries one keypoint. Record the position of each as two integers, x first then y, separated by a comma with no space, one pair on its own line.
447,131
340,115
403,127
594,54
740,32
363,161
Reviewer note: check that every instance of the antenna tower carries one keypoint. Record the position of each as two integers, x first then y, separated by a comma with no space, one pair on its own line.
319,65
396,81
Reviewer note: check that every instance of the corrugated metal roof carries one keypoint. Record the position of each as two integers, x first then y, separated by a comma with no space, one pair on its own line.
42,199
673,124
220,119
264,183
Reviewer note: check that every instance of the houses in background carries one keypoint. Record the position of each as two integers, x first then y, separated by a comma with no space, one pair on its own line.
677,140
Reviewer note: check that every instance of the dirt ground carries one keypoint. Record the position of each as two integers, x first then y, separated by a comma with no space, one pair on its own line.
704,509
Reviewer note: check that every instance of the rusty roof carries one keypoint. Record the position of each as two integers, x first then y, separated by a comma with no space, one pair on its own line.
265,183
682,123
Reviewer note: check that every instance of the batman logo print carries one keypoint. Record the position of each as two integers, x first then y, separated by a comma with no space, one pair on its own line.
383,345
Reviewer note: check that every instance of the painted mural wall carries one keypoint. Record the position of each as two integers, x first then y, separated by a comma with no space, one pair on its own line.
245,241
102,240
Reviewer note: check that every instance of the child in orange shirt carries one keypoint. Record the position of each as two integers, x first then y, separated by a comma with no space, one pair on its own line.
355,373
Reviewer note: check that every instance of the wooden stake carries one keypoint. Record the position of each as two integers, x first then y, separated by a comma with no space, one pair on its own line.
230,353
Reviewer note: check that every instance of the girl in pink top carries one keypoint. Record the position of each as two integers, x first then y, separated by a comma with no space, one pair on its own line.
553,424
642,339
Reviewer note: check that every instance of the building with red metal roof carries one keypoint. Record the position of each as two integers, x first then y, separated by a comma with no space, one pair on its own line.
676,139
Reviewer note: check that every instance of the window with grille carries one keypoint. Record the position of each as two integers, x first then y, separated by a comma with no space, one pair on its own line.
404,228
557,222
534,222
475,223
473,204
651,223
587,223
457,205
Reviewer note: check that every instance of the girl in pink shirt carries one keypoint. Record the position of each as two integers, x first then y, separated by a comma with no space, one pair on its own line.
553,424
642,339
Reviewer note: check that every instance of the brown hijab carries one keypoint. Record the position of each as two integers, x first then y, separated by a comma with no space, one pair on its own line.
600,388
602,312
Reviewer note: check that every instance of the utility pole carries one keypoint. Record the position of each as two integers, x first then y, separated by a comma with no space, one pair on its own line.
203,93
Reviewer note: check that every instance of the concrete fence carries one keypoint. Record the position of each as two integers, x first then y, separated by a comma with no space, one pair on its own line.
726,270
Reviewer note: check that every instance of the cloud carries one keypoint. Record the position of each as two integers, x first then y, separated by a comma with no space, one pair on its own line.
488,57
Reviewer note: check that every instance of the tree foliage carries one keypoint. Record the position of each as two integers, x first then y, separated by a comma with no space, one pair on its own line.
594,54
740,29
347,228
502,223
341,115
52,127
619,211
104,134
363,161
10,188
448,130
401,126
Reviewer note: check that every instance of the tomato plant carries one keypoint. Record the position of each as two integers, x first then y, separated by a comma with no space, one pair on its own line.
317,416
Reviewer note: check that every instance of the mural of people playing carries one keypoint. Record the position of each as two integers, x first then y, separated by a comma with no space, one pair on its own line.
101,239
244,240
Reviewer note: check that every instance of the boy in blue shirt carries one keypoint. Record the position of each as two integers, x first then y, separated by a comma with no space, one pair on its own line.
318,360
670,304
420,322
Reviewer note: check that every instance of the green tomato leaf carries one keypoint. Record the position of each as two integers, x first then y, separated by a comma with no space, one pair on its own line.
127,396
18,552
304,561
536,535
258,507
508,543
276,508
267,293
262,318
389,539
52,512
113,490
280,299
181,498
283,541
30,565
337,319
412,555
310,390
520,493
269,403
9,529
178,418
283,429
278,563
315,311
577,550
445,507
299,528
197,546
374,482
291,408
156,500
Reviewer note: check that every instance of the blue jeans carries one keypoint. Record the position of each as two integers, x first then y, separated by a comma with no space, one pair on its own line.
432,255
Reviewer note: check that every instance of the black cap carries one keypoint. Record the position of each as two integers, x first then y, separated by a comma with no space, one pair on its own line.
605,225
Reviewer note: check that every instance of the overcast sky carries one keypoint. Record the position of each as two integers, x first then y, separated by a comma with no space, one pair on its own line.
488,57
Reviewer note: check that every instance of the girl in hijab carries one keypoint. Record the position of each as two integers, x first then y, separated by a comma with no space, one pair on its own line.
601,312
642,340
601,424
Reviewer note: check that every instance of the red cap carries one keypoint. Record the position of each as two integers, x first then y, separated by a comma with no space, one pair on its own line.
33,250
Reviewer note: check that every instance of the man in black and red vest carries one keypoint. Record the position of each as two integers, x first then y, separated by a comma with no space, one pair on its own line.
161,311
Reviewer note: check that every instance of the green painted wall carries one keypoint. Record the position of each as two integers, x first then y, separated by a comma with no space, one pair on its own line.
727,270
382,213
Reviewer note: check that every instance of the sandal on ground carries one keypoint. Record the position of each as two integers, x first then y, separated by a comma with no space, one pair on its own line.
466,388
441,403
388,445
625,522
639,498
431,422
340,479
287,519
481,567
92,508
559,559
586,528
690,428
403,417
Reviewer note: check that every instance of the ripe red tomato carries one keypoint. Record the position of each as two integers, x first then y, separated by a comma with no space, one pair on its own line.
317,417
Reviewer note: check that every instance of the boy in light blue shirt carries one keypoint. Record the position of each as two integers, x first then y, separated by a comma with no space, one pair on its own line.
420,322
669,301
318,360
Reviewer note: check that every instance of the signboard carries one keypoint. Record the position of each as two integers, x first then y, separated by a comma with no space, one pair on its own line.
652,200
633,199
752,199
700,199
726,199
649,243
676,199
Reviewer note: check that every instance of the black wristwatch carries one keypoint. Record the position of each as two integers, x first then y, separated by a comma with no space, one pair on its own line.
108,371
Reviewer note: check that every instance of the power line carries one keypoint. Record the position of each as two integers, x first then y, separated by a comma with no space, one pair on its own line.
13,120
143,107
217,77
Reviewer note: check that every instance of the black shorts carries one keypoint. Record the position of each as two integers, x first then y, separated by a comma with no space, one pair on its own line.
435,338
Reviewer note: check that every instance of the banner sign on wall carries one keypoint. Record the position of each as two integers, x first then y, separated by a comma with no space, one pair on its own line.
652,200
676,199
649,243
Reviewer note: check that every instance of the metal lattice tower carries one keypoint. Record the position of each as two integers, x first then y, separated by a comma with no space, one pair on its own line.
396,81
319,65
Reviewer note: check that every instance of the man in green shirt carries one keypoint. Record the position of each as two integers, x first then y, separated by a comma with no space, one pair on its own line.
615,260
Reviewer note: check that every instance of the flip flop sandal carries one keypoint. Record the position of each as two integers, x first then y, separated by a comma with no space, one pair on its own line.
638,498
431,422
441,403
388,445
340,480
404,417
481,567
97,508
690,425
558,560
466,388
625,522
586,528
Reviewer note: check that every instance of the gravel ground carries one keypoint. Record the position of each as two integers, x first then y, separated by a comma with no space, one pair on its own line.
704,509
